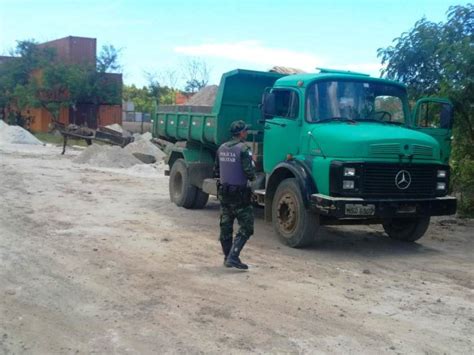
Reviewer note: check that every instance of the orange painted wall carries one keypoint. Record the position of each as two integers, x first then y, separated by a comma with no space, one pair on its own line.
41,118
109,114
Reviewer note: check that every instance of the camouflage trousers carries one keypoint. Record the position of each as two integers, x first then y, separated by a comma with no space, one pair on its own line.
244,215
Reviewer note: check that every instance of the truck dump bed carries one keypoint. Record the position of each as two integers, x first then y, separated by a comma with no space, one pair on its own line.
238,98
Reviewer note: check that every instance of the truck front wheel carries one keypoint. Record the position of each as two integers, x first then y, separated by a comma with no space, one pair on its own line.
182,193
295,225
406,229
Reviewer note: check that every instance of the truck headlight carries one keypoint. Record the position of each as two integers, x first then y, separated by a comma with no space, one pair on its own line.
349,171
441,186
441,174
347,184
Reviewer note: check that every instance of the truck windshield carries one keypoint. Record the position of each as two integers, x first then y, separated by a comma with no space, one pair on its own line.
355,101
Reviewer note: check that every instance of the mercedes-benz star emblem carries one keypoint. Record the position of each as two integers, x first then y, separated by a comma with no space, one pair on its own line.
403,179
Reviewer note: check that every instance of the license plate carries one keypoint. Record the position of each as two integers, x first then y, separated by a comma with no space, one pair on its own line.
406,209
360,210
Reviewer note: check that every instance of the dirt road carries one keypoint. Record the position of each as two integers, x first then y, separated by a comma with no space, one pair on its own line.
100,262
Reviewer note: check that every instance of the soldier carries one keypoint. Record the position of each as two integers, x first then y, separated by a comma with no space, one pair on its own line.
235,167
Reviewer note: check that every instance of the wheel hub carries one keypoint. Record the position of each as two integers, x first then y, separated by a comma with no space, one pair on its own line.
287,213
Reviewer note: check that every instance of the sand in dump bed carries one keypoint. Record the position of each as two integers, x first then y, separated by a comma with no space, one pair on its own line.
204,97
16,135
143,146
107,157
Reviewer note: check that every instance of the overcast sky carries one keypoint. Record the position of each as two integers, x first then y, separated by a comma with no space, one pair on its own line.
158,36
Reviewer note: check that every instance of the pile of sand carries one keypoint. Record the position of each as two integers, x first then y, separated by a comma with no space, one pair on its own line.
107,157
147,136
145,147
16,135
286,70
204,97
147,170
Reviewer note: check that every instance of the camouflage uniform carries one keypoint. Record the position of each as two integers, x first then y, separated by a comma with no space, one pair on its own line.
235,202
234,206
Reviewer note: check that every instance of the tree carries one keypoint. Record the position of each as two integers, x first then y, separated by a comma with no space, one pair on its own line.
15,77
108,60
438,59
139,96
196,74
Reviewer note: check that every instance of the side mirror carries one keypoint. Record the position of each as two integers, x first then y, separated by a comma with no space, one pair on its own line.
433,113
268,106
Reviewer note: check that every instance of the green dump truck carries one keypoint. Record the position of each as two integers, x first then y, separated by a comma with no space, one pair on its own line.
333,147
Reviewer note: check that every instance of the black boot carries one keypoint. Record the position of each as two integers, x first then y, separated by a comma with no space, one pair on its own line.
233,259
226,246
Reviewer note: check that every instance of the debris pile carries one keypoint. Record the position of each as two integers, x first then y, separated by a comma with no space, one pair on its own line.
204,97
107,157
16,135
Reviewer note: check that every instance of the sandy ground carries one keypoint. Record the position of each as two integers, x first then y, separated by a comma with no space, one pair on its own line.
98,261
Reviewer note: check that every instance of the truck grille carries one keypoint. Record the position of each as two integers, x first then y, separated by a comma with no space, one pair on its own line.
379,180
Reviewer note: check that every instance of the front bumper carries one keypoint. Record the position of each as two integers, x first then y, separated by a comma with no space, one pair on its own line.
353,207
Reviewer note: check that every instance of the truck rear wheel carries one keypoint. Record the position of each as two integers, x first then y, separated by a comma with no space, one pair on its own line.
295,225
406,229
182,193
201,199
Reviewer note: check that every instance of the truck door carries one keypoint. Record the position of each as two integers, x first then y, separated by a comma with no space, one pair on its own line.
434,116
282,127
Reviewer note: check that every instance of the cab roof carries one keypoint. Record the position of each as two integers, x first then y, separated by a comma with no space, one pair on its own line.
330,74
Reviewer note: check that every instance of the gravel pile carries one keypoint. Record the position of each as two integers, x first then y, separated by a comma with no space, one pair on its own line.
107,157
204,97
16,135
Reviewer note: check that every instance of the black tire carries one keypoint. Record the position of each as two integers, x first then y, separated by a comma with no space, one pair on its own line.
296,226
182,193
201,199
406,229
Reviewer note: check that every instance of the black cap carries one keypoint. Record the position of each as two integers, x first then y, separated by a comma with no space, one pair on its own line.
238,126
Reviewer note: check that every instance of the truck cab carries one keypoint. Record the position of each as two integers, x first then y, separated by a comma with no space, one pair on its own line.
357,155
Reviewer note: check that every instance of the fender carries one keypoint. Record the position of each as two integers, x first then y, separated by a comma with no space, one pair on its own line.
200,162
190,153
302,175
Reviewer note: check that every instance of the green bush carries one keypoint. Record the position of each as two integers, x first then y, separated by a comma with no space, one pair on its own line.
463,185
